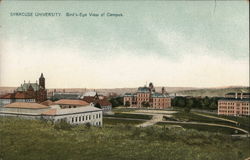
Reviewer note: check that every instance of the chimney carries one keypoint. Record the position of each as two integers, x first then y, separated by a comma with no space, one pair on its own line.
236,95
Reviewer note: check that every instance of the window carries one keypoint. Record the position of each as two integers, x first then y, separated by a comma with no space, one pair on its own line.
80,118
76,119
72,119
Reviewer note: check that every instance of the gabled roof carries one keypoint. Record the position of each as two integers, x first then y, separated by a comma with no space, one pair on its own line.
71,102
25,105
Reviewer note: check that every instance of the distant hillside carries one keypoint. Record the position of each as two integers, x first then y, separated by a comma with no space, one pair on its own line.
212,92
179,91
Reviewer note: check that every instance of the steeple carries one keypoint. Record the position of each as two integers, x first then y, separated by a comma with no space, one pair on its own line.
42,81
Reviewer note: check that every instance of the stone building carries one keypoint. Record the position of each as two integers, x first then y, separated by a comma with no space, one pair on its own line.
236,105
79,115
147,97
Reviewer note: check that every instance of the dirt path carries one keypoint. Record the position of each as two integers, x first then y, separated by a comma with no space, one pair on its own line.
156,118
214,117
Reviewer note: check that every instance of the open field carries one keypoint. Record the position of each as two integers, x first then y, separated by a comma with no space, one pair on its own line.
33,139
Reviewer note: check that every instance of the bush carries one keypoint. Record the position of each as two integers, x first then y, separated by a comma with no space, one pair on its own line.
62,125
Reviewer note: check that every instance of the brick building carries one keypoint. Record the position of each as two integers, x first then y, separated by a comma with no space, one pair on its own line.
237,105
99,101
27,92
147,97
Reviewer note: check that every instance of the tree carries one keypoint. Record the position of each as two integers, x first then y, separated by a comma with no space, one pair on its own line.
62,125
145,104
127,103
189,102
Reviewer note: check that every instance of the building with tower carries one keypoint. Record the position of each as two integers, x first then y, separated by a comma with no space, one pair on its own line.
147,97
27,92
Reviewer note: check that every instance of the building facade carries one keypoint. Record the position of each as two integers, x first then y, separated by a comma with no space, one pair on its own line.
236,106
80,115
147,97
27,92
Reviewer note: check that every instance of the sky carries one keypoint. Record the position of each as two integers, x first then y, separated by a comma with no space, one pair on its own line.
169,43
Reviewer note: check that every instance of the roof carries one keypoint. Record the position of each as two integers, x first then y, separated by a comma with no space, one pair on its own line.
159,95
104,102
25,105
239,93
89,99
71,110
18,95
234,99
6,96
90,93
143,89
47,103
50,112
128,94
25,87
66,95
72,102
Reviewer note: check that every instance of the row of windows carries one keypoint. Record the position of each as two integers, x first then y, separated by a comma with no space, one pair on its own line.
245,112
245,108
29,100
225,103
83,118
143,95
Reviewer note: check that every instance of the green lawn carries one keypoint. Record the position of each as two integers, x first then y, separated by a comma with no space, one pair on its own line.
107,122
127,115
205,128
34,139
191,117
243,121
